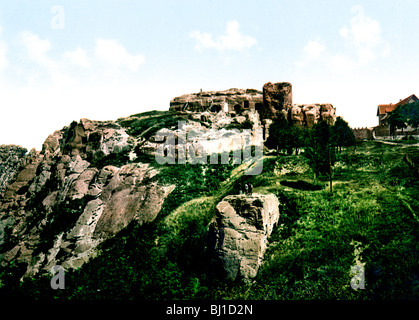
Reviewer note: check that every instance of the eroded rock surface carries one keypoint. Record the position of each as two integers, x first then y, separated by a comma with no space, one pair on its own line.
219,133
11,158
231,100
273,101
277,98
240,232
81,189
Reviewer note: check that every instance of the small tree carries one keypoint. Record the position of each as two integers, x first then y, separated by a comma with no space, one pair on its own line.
412,114
277,134
407,114
297,138
342,134
397,119
285,136
320,151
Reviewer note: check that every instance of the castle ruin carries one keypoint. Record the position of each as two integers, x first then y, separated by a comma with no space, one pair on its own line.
275,99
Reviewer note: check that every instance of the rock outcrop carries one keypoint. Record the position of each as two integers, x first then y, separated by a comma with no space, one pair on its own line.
240,232
11,158
274,100
219,133
277,98
81,189
231,100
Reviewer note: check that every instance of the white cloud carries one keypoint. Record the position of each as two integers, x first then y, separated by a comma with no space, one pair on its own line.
116,55
363,42
78,57
106,58
232,39
37,49
364,34
312,51
48,92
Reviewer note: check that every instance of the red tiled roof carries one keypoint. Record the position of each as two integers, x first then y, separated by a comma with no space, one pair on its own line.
406,100
385,108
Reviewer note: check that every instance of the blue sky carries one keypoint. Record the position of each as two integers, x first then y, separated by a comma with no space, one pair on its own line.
65,60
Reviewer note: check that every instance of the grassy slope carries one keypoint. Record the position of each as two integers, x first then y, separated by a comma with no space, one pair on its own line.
372,218
373,209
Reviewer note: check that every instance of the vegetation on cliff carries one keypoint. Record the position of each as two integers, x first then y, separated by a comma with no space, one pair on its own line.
371,218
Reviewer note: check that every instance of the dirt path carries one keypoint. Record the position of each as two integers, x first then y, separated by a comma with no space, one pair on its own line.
398,144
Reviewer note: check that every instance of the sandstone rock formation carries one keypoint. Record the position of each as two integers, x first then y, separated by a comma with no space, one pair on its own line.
86,184
219,133
277,97
232,100
11,158
240,232
274,100
60,203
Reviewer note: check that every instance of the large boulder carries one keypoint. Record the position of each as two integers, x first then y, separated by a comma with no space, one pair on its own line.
240,232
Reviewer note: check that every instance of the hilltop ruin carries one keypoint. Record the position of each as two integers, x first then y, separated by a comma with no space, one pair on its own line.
275,99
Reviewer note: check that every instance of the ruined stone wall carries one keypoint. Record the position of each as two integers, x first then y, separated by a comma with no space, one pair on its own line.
232,100
275,99
363,133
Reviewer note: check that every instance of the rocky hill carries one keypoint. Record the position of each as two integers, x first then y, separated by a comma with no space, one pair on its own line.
123,225
81,189
93,178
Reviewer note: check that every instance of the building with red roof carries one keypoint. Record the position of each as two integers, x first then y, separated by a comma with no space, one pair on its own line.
384,110
382,131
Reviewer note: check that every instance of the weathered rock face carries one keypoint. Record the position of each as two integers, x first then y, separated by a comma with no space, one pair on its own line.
89,139
274,100
328,113
11,158
232,100
60,203
277,97
240,232
313,113
219,134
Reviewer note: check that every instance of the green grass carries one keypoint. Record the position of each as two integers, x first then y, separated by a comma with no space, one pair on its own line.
372,217
147,124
